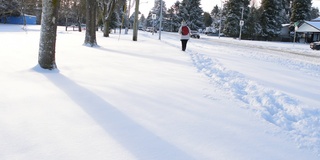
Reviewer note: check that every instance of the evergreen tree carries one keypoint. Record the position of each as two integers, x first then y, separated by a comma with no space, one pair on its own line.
191,12
143,21
156,10
314,13
215,11
131,19
207,19
287,10
284,14
217,16
301,10
149,20
253,24
234,10
172,19
175,19
271,18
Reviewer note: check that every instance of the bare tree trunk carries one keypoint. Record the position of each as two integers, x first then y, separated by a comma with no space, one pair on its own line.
106,28
103,10
47,46
107,17
23,7
90,38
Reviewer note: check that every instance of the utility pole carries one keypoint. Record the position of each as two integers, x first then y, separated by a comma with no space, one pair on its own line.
160,27
220,19
128,18
135,24
241,22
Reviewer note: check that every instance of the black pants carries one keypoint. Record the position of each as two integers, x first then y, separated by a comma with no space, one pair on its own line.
184,44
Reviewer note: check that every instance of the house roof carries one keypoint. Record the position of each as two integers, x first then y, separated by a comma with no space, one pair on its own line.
285,25
316,19
309,26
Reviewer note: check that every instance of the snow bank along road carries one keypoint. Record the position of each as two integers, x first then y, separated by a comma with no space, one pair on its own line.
277,81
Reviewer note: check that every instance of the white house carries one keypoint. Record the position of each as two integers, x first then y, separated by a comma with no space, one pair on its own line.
309,30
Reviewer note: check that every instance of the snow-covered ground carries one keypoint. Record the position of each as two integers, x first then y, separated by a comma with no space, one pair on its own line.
222,99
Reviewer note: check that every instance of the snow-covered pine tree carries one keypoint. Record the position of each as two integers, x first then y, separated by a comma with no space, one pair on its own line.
314,12
48,34
131,19
286,10
215,11
170,16
156,10
301,10
207,19
253,24
191,12
233,9
217,16
143,21
173,20
271,21
149,20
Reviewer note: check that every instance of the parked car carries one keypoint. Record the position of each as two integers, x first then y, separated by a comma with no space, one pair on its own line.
151,29
194,34
315,45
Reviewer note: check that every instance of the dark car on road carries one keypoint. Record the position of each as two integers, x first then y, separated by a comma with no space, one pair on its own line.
315,45
194,34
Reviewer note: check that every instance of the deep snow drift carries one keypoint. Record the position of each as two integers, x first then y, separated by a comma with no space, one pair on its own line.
221,99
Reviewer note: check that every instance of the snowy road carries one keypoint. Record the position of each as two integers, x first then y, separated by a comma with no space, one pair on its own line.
277,81
282,68
292,67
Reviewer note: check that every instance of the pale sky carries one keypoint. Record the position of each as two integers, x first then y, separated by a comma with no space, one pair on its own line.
316,3
147,5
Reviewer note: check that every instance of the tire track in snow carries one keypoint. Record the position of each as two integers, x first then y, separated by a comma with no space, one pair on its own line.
299,122
306,66
292,50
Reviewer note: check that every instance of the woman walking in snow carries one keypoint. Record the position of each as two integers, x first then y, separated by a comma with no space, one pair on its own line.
184,31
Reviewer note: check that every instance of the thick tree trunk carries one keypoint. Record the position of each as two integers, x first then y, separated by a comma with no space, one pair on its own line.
90,38
48,32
